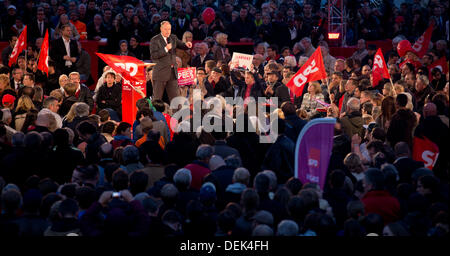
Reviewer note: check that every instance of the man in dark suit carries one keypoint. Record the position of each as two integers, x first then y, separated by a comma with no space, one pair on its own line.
38,27
64,51
202,56
285,94
404,164
162,50
83,94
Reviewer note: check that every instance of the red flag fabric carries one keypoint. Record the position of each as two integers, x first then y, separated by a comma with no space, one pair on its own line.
133,74
420,47
424,150
441,63
341,101
312,70
43,56
379,70
21,45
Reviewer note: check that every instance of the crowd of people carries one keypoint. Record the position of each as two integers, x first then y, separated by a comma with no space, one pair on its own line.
70,166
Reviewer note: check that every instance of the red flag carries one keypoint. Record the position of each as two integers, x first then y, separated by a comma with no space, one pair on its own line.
424,150
133,74
21,45
379,70
312,70
341,101
441,63
421,45
43,56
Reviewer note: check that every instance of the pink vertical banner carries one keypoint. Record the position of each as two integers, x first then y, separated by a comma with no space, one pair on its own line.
313,151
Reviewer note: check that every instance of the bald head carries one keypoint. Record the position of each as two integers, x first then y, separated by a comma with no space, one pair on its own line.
429,110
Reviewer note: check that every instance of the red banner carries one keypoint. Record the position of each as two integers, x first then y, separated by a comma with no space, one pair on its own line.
43,55
186,76
312,70
441,63
133,74
424,150
423,42
21,45
380,70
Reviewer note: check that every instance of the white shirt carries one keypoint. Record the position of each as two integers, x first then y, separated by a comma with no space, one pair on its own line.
293,32
67,45
165,40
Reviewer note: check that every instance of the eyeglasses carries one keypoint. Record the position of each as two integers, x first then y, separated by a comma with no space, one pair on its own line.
201,74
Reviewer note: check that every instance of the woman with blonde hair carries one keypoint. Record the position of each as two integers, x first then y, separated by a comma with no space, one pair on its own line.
310,103
63,80
185,55
221,51
388,90
354,165
4,83
24,104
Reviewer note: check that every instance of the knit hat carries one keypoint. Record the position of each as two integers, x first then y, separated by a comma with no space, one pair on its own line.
263,217
216,162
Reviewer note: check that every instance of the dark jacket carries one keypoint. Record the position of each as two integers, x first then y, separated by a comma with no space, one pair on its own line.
85,95
222,149
112,97
352,124
405,167
240,29
197,62
294,126
401,127
163,59
218,88
66,105
58,51
282,92
65,159
129,219
280,158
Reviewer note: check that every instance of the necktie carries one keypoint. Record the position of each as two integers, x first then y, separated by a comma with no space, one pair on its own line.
41,28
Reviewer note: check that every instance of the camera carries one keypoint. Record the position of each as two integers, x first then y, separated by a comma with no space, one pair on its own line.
116,195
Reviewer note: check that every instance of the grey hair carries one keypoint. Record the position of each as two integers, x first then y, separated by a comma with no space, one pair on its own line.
6,114
287,228
262,230
272,177
82,109
306,39
130,154
183,177
241,175
354,104
169,191
204,151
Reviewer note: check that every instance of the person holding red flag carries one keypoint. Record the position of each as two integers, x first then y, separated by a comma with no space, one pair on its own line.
43,55
312,70
379,70
19,47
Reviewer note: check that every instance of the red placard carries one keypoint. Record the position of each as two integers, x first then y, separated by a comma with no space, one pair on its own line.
186,76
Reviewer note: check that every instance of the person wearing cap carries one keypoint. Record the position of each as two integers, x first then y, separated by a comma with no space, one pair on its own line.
368,60
8,101
215,83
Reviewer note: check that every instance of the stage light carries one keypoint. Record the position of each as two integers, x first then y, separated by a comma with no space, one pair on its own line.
333,35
